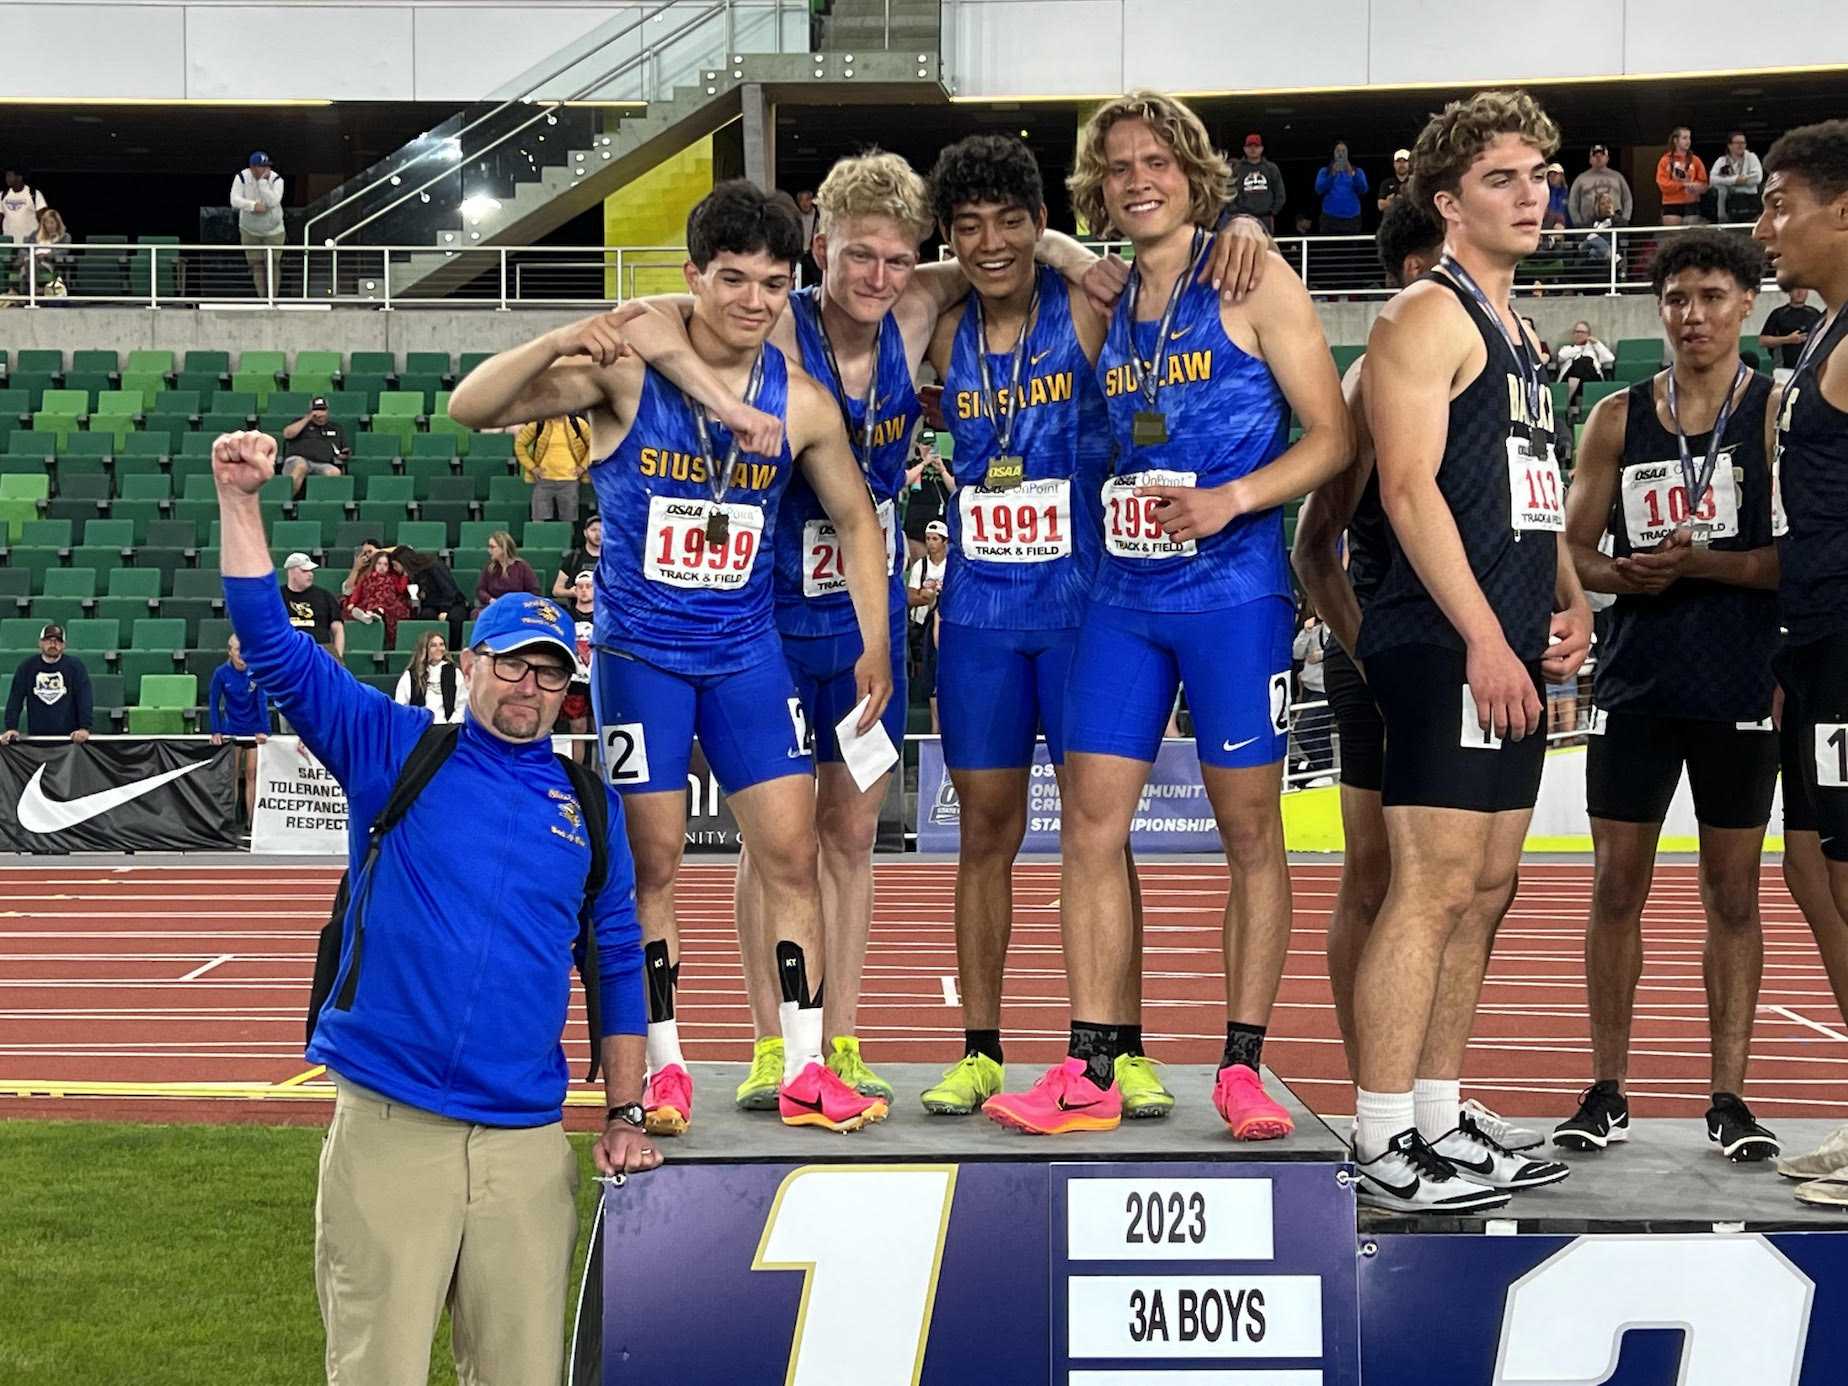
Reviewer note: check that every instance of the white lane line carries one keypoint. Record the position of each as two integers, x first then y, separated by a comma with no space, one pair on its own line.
204,968
949,991
1807,1023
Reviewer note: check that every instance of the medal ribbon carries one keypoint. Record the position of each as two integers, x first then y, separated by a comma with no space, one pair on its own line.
718,479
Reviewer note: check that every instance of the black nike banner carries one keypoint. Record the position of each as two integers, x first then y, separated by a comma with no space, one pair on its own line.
118,796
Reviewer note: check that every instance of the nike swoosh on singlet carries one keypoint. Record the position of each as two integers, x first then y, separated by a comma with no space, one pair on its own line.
40,814
1037,359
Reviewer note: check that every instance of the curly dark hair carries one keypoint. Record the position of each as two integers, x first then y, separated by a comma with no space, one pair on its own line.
1818,154
740,218
1406,228
986,168
1708,248
1452,139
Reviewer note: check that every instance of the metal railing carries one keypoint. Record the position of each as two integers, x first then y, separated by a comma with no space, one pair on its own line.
505,277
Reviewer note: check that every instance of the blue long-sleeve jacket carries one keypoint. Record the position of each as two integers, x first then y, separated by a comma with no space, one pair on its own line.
465,974
1340,192
236,704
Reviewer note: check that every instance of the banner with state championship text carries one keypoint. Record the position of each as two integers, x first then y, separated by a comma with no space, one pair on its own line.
117,796
1172,815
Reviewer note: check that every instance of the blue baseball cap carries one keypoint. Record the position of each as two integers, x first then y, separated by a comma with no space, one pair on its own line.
259,159
520,619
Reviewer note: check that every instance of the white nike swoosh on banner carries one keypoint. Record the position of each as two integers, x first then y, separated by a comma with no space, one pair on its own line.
38,814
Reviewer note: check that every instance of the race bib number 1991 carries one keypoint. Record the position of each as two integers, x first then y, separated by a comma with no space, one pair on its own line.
1028,523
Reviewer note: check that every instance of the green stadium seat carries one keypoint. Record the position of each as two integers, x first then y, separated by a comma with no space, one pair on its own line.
1640,348
472,540
459,437
258,384
90,384
1595,390
215,362
158,633
470,360
240,402
381,363
19,632
214,423
452,488
95,359
361,635
436,363
106,694
329,488
15,404
70,582
431,445
269,363
198,582
63,610
382,519
191,610
317,363
140,456
296,535
201,383
401,404
91,445
410,632
74,403
98,635
117,426
140,514
145,387
426,536
101,557
450,514
549,537
326,514
171,429
276,492
423,470
36,559
148,485
310,383
292,402
151,360
165,703
165,560
402,489
177,402
35,386
134,582
83,486
35,360
200,514
363,385
426,387
362,663
15,586
112,533
375,445
56,534
494,445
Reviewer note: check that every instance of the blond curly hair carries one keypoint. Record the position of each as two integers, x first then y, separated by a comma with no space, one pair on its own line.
1209,172
874,184
1452,139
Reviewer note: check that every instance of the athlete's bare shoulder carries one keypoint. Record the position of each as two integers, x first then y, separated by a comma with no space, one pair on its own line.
943,337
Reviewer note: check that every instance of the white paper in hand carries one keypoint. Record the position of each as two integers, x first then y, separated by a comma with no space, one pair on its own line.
869,756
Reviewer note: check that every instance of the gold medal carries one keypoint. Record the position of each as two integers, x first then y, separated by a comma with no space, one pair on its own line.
1149,428
718,530
1005,473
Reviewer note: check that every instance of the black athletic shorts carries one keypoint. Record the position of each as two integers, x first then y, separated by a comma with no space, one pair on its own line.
1633,766
1357,720
1813,745
1436,754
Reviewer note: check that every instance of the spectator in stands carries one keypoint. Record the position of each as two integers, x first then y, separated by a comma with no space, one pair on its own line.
310,608
581,611
1788,328
434,594
1314,725
1340,186
1557,216
256,196
52,690
1257,183
431,680
504,572
1584,357
44,259
1544,351
1582,199
20,205
237,708
554,455
1737,177
381,594
931,487
1603,218
313,445
923,591
1681,176
1393,186
362,562
584,558
807,216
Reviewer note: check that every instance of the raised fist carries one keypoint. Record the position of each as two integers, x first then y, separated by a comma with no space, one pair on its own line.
242,462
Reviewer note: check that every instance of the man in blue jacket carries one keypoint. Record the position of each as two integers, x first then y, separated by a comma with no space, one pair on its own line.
446,1176
1340,186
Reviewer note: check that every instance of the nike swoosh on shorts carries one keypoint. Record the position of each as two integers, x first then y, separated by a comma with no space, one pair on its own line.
39,814
1238,746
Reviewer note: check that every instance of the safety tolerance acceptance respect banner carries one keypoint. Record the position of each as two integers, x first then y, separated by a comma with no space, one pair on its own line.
300,806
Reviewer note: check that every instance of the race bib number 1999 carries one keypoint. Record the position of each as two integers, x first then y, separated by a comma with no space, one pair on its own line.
1131,529
677,553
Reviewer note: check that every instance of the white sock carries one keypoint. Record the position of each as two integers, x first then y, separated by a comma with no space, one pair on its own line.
1438,1102
664,1045
1378,1117
801,1037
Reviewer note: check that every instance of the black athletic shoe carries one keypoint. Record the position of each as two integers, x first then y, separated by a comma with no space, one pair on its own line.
1602,1119
1407,1177
1731,1126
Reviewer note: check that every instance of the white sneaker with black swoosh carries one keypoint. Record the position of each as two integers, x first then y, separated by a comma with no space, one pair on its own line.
1407,1177
1481,1160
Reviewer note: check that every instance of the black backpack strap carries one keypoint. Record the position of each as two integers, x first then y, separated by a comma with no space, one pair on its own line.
587,784
419,768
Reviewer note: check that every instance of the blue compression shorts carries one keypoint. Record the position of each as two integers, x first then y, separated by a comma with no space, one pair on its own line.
1234,663
750,724
822,667
997,690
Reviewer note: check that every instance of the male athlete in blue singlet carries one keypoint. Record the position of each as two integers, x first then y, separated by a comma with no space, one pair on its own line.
1021,401
1805,230
1192,589
685,631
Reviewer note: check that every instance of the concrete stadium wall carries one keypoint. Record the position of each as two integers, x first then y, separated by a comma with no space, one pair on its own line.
476,329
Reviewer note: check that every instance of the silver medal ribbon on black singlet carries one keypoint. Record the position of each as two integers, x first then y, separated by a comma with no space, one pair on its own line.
1696,480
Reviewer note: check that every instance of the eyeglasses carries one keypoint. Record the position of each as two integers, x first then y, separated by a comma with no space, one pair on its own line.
551,678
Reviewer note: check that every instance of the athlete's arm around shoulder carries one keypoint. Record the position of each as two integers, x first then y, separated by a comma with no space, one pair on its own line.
818,441
1595,477
1326,514
1290,339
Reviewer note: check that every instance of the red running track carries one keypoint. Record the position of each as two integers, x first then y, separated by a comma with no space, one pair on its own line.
199,974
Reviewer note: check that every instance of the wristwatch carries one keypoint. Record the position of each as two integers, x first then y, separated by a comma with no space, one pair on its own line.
629,1113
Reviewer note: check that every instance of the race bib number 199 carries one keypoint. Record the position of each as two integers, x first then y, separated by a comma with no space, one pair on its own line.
1131,529
677,552
1536,500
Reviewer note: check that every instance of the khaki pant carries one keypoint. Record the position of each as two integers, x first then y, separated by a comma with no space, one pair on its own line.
416,1211
255,258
